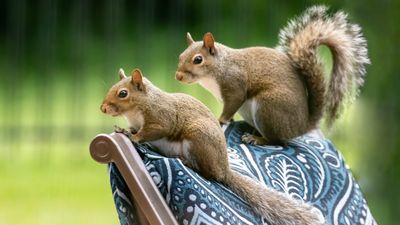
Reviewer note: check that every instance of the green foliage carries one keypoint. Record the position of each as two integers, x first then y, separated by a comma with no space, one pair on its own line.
64,193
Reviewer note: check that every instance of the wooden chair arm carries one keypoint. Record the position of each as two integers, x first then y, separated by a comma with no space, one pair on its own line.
117,148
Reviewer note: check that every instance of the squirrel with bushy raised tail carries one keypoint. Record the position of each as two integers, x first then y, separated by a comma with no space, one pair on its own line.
180,126
281,91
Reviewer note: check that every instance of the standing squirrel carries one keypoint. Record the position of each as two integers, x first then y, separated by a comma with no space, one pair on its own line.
181,126
281,91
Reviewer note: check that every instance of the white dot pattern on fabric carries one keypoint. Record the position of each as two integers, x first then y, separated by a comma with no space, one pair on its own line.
192,197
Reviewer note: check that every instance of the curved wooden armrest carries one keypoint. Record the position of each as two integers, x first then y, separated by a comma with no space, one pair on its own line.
117,148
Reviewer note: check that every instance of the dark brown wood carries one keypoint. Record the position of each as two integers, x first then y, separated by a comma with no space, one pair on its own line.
117,148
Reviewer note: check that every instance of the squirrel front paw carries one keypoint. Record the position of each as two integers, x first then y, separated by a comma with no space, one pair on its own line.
120,130
132,136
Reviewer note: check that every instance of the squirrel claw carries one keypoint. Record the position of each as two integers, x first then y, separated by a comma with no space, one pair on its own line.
120,130
253,140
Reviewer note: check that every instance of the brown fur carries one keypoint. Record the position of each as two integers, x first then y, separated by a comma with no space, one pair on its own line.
179,118
300,40
287,83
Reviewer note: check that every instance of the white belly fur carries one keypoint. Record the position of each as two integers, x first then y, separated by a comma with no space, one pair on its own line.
134,118
172,148
212,86
248,111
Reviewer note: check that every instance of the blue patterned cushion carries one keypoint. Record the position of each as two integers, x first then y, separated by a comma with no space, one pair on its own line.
308,168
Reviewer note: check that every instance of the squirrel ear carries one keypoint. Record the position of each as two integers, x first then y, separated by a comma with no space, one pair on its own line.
137,79
208,42
189,39
121,74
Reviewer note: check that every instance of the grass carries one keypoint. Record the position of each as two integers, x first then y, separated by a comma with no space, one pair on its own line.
68,192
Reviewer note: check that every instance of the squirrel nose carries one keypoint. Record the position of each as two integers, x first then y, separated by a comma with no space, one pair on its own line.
179,76
103,108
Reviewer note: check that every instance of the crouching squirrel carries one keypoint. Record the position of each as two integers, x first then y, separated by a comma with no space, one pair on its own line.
181,126
281,91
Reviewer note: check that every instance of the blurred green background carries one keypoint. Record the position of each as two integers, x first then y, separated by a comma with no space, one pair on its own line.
58,59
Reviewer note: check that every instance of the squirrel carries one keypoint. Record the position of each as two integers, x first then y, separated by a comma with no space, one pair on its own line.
179,125
281,91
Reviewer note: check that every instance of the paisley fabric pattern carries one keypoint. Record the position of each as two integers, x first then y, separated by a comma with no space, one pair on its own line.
122,198
308,168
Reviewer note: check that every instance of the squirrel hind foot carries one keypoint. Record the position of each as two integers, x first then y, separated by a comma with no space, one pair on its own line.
253,139
257,140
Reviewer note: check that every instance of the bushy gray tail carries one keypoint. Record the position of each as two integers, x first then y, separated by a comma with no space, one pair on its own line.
300,40
276,207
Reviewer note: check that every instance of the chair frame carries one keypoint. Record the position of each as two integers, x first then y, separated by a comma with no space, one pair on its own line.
152,208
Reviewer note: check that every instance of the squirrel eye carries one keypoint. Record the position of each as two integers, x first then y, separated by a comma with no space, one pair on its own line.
198,59
123,93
